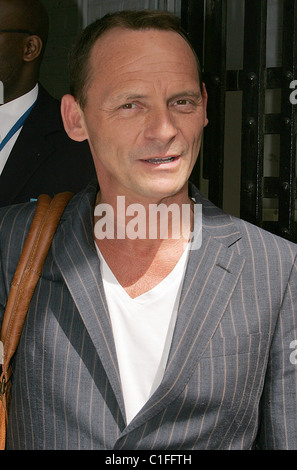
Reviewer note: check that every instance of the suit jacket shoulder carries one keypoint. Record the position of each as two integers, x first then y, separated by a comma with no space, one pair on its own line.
230,229
44,159
16,219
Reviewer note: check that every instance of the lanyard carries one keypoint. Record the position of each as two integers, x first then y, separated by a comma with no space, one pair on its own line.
15,128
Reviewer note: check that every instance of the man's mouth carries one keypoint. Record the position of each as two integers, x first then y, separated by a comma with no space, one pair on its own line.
160,160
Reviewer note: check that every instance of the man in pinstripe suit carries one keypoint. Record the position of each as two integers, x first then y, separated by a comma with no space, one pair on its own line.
148,343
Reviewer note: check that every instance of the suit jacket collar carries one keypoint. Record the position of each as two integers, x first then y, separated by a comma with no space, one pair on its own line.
210,279
211,276
75,254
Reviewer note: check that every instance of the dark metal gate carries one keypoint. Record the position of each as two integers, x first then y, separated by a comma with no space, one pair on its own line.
205,20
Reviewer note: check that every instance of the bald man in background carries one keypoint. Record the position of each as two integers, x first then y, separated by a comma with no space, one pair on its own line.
36,155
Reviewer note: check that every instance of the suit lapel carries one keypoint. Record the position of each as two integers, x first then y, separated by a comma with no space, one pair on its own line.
211,276
78,262
210,280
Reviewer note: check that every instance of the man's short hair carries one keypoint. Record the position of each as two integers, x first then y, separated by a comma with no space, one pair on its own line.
79,70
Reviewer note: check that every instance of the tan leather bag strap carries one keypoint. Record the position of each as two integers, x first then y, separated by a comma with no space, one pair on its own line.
44,224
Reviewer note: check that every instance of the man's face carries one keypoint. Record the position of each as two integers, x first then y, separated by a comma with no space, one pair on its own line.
144,113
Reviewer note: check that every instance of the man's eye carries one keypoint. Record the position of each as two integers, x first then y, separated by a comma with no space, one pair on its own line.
182,102
128,106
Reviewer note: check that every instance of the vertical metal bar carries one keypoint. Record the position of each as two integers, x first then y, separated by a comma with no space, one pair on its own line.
184,13
287,170
254,63
215,79
192,20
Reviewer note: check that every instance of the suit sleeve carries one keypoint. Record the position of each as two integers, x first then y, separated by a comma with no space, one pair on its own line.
15,222
278,416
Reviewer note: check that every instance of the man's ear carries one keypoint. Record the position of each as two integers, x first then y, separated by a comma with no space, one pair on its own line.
32,48
73,119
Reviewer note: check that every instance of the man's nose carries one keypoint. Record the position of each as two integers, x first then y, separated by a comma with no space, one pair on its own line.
160,125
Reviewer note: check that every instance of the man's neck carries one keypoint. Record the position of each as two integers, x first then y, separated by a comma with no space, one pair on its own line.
132,246
142,228
18,91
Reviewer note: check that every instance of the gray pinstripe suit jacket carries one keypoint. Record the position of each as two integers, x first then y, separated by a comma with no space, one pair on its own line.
230,381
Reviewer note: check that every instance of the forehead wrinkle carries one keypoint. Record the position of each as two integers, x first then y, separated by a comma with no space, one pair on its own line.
143,79
142,88
122,67
147,65
103,57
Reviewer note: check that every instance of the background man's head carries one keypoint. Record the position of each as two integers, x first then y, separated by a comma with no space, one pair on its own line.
79,70
24,26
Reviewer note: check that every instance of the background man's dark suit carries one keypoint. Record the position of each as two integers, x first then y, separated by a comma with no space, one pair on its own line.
44,159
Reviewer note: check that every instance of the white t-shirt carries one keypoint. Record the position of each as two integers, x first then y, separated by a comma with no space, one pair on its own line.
9,114
142,329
